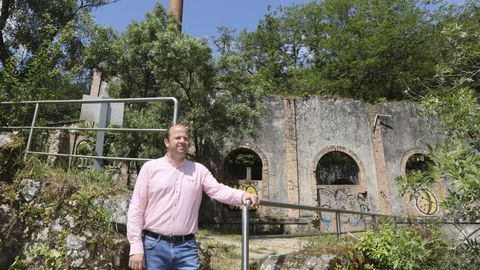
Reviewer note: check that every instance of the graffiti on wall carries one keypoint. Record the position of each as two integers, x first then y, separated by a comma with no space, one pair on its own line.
426,202
251,188
342,198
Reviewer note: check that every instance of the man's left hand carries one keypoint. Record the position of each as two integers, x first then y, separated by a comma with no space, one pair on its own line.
247,196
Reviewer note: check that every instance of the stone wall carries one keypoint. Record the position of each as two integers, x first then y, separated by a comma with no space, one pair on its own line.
405,133
380,138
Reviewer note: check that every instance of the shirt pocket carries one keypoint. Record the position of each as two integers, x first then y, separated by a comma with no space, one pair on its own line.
191,184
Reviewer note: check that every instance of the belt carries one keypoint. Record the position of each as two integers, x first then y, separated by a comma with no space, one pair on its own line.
170,238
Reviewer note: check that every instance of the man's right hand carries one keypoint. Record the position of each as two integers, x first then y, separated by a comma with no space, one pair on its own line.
136,262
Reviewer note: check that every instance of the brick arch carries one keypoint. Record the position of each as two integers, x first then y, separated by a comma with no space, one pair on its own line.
321,153
263,158
407,155
80,140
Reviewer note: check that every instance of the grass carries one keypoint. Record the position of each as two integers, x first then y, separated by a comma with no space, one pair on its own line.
328,244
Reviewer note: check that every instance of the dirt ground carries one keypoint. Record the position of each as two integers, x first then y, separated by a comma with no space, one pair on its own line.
227,250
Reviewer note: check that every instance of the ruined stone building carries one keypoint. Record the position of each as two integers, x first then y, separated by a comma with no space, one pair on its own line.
336,153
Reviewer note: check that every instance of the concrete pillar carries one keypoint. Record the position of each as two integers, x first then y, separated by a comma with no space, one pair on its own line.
291,155
380,166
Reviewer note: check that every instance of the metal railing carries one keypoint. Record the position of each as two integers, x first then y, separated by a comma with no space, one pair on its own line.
338,229
100,130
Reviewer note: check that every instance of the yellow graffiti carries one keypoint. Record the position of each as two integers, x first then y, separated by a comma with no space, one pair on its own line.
245,187
426,202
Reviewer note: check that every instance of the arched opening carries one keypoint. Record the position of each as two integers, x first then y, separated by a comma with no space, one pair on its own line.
243,164
418,162
84,148
337,168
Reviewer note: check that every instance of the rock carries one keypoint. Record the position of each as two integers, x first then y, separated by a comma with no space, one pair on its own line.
11,151
11,233
120,251
70,221
74,242
72,239
5,140
277,262
117,207
30,189
56,225
75,249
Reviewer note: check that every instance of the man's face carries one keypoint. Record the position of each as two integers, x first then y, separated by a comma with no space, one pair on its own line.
178,141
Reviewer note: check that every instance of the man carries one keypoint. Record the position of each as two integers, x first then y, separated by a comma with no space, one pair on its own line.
163,212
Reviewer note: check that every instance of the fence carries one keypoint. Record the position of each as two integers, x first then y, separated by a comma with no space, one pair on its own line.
396,219
100,130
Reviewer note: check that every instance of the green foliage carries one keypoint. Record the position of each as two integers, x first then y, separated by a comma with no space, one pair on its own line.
328,244
454,101
458,110
244,160
459,51
403,249
460,166
150,59
361,49
51,259
41,55
11,158
77,195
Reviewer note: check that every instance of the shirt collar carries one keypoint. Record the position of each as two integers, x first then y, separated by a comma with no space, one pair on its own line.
171,162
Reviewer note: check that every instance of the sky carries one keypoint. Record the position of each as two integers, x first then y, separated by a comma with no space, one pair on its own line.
200,17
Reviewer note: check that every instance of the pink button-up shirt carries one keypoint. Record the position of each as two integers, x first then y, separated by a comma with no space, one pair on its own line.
166,199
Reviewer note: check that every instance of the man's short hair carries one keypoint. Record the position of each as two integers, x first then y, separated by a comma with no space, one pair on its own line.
167,134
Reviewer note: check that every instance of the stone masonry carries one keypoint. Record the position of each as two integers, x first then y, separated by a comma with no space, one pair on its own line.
379,138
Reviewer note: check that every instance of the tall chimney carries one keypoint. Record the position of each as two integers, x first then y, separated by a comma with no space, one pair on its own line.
176,8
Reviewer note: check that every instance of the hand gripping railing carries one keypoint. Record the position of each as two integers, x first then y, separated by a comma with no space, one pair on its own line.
100,130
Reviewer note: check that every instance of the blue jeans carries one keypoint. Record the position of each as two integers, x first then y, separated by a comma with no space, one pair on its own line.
164,255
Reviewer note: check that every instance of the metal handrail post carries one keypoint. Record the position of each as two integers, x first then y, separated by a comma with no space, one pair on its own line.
245,236
338,225
175,110
30,135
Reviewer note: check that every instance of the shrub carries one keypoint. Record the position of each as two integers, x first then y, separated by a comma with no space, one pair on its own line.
10,156
407,248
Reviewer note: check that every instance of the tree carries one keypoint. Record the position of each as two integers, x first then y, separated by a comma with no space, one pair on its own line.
154,59
41,53
455,101
362,49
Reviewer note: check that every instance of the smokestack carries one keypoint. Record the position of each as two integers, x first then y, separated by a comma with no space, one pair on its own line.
176,8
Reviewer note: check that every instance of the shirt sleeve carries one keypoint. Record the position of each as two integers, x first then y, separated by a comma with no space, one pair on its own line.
136,210
218,191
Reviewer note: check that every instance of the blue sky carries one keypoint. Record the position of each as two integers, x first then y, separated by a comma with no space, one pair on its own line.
200,17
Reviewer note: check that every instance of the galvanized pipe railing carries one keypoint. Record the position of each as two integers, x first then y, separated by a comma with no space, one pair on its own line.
245,234
37,103
267,203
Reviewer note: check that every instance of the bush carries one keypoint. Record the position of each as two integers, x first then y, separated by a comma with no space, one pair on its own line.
407,248
10,155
